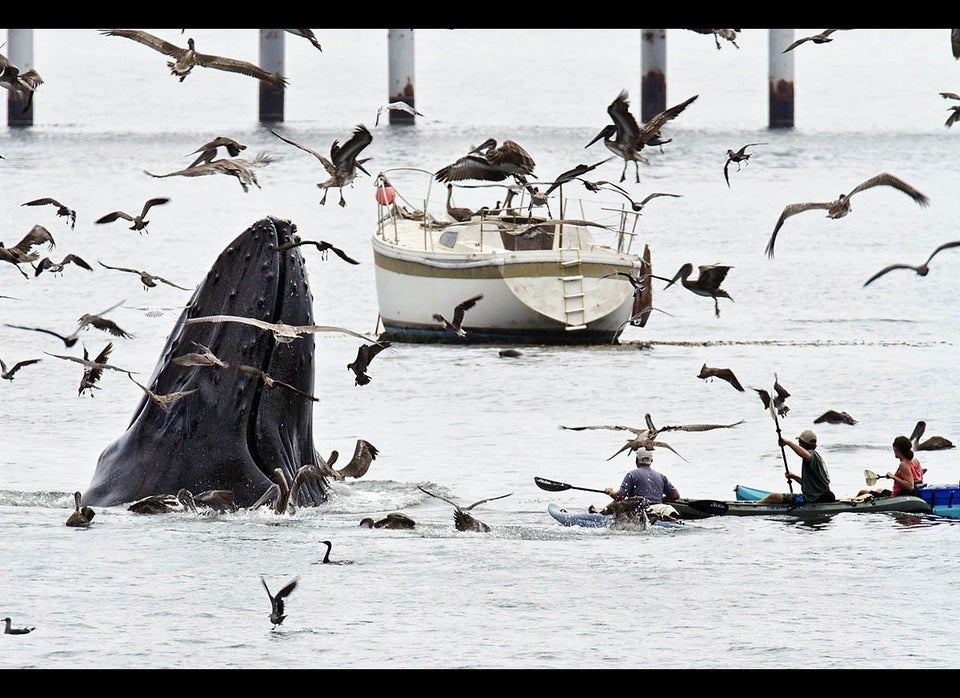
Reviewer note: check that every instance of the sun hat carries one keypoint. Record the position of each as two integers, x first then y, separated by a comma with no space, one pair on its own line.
808,437
644,456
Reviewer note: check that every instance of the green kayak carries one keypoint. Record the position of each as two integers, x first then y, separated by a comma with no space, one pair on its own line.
862,505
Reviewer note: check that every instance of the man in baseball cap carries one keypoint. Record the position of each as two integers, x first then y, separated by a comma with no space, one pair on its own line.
813,478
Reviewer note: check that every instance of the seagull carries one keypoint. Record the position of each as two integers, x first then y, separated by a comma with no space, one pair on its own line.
835,417
164,402
343,163
393,520
309,35
204,357
9,373
821,38
208,151
722,373
149,280
922,269
139,222
276,602
955,109
728,34
271,381
740,156
7,630
23,251
82,516
240,168
573,173
186,59
458,314
85,320
706,284
626,138
282,332
57,267
462,520
779,402
62,210
490,162
364,453
321,245
610,186
93,368
396,106
840,207
365,354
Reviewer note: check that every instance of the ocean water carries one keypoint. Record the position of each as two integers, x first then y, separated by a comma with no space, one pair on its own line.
183,591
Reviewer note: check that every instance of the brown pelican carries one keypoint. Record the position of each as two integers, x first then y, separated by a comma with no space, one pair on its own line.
922,269
82,516
954,110
164,402
186,59
490,162
62,210
308,35
934,443
276,602
728,34
21,84
739,156
835,417
282,332
364,453
93,368
321,245
57,267
707,284
149,280
365,354
462,520
182,501
9,373
626,138
722,373
305,473
821,38
393,520
139,221
840,207
208,151
644,438
278,493
458,313
461,215
240,168
23,251
343,163
7,630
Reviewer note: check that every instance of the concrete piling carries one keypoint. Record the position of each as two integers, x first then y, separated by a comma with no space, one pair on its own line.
20,53
653,72
271,58
781,78
401,73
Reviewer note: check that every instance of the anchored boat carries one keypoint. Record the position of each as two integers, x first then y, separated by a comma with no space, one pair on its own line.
544,279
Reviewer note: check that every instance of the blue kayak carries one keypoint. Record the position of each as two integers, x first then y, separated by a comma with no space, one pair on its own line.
586,519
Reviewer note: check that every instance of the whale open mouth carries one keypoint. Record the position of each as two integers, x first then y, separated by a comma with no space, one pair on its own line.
235,429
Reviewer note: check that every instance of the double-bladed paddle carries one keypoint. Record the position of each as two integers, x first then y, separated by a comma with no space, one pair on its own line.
705,506
554,486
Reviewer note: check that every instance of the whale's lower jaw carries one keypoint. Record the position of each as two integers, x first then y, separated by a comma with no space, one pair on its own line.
234,431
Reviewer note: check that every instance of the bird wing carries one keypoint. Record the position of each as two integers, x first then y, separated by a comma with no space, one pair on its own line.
628,130
653,126
792,210
727,375
463,307
452,503
20,364
699,427
796,43
726,168
363,455
712,275
47,200
513,154
470,167
167,282
107,326
328,166
132,271
333,328
489,499
114,215
147,39
39,329
347,154
950,95
234,65
888,269
76,260
159,201
782,393
887,179
616,427
38,235
944,246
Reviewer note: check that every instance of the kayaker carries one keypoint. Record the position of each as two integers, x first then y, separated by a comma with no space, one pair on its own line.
644,481
814,479
908,476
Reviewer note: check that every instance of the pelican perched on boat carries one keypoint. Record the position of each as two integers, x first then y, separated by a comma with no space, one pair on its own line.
840,207
459,214
626,138
706,284
343,163
186,59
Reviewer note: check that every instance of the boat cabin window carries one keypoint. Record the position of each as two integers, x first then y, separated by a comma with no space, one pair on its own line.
449,238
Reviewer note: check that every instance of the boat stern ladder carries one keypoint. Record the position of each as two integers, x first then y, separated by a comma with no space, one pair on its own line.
571,280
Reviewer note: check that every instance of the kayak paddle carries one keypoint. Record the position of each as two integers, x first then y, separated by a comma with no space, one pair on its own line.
706,506
554,486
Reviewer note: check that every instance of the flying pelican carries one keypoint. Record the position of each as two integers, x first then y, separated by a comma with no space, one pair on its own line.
739,156
626,138
208,151
922,269
139,222
276,602
840,207
821,38
62,210
954,110
343,163
722,373
186,59
282,332
20,84
364,453
164,402
240,168
57,267
23,251
87,319
643,438
9,373
490,162
835,417
365,354
149,280
458,314
462,520
461,215
706,284
321,245
82,516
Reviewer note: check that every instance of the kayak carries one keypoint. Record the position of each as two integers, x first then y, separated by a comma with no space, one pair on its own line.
752,507
586,519
944,500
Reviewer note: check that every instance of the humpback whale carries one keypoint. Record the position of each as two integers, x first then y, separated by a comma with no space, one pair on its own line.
233,431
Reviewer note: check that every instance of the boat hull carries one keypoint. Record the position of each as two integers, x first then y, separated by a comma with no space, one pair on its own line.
944,500
753,507
585,519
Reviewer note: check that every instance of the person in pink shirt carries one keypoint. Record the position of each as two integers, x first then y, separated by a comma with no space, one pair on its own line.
908,475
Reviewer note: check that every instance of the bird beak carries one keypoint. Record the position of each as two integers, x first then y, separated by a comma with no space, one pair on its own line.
360,167
598,137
